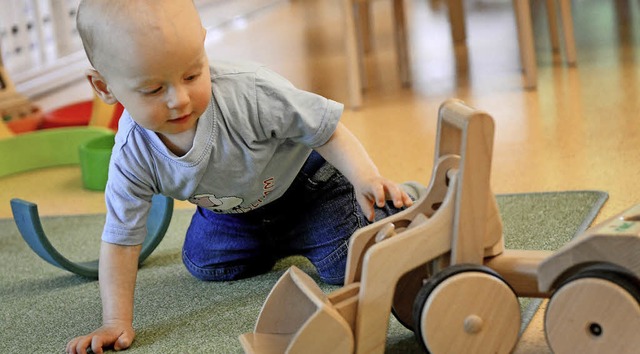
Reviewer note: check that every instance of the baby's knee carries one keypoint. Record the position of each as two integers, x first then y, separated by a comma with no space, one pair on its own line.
225,272
333,279
331,269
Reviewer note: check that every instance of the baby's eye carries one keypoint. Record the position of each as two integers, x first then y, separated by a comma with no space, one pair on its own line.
151,91
191,77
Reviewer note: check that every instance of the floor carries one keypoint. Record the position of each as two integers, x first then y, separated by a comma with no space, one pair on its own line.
578,130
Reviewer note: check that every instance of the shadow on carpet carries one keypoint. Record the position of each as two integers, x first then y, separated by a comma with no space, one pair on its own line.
42,307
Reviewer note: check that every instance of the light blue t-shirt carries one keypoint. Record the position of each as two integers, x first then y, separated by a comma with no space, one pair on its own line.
249,146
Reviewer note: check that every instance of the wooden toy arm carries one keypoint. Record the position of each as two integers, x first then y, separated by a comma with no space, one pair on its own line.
477,226
465,141
387,261
364,238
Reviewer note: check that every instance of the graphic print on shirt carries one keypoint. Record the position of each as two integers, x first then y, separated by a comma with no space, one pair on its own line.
231,205
213,203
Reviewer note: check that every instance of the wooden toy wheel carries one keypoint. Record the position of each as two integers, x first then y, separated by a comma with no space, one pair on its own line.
406,291
595,311
408,287
467,309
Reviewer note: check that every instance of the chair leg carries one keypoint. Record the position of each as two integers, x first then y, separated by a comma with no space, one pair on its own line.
355,60
364,23
525,40
362,18
552,16
402,48
567,29
516,11
456,19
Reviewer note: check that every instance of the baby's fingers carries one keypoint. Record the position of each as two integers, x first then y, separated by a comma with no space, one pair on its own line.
79,345
96,345
397,195
367,207
379,195
405,200
124,341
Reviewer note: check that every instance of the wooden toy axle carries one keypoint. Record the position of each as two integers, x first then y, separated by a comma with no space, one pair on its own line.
442,269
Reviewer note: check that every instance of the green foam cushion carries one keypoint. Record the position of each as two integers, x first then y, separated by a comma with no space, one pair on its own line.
94,162
45,148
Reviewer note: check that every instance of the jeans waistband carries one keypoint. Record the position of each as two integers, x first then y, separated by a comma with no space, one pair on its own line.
314,162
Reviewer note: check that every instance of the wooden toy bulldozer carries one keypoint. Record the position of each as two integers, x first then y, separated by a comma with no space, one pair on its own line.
441,268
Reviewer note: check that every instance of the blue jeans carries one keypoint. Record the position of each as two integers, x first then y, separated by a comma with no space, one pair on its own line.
314,218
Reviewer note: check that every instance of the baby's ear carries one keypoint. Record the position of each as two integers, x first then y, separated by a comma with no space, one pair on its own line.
100,86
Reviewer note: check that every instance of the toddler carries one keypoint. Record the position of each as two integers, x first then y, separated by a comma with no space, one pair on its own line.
270,167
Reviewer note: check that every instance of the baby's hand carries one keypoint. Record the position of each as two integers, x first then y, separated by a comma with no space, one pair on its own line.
118,336
376,191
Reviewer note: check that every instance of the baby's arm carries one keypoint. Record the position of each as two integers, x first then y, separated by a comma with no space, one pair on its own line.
346,153
118,270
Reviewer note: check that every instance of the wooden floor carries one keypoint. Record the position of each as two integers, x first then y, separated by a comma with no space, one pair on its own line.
578,130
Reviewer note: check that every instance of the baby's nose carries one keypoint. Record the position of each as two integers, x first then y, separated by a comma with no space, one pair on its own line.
177,97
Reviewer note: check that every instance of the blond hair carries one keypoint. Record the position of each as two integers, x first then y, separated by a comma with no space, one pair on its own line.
86,22
95,19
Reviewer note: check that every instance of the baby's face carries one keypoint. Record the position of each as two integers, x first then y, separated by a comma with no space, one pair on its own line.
158,69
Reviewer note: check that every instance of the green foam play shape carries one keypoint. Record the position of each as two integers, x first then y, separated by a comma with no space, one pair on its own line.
94,162
45,148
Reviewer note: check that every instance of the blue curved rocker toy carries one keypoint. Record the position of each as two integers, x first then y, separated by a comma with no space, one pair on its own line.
27,219
59,147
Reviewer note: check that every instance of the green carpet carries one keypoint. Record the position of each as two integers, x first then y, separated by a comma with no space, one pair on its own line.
42,307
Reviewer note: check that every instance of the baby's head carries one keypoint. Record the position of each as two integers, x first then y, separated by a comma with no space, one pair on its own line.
149,55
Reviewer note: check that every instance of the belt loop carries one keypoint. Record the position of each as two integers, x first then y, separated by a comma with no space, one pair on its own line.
314,162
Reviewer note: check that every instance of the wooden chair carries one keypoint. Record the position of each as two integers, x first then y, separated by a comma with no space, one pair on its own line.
357,43
525,36
522,11
359,22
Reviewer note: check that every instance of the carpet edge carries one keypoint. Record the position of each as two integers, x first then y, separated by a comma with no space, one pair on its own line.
603,196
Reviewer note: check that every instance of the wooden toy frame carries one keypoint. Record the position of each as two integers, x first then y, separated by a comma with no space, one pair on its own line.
455,285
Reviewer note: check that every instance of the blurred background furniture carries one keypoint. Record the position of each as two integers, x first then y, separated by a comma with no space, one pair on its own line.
522,11
358,43
42,49
524,24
